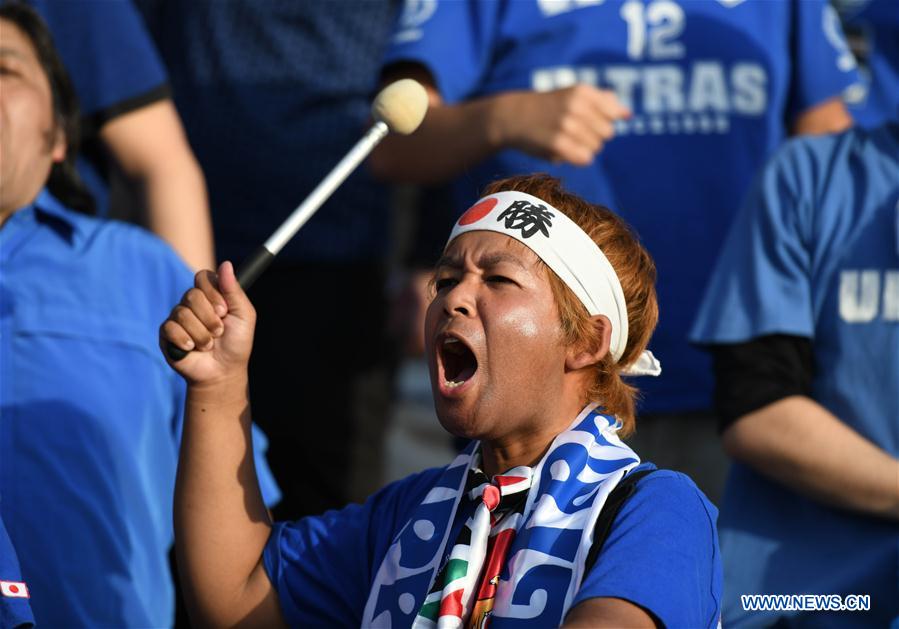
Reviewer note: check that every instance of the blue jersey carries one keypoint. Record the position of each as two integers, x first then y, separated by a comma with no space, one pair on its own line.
876,23
661,553
712,85
15,612
90,415
112,62
815,253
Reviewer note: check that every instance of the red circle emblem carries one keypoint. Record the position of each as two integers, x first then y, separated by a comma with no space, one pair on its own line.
478,211
14,589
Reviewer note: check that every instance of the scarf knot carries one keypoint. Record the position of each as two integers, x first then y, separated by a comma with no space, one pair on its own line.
465,587
503,492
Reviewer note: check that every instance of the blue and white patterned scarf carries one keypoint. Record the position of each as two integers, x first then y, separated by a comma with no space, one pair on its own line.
545,565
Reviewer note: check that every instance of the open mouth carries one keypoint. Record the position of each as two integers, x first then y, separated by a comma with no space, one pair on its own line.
459,362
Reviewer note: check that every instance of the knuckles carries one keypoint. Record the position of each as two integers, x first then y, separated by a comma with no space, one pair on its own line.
194,298
172,331
582,91
570,126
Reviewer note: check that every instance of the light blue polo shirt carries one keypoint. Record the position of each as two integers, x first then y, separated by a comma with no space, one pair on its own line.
815,253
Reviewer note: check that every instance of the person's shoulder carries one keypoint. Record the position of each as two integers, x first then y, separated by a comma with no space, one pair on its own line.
133,243
666,491
815,152
375,519
131,258
109,237
821,170
666,500
796,179
410,491
662,552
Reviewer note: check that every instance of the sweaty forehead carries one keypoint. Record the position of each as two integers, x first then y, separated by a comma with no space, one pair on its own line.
486,249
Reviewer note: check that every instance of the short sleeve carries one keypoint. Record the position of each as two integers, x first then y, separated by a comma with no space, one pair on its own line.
823,64
662,554
453,39
761,284
108,53
322,566
15,612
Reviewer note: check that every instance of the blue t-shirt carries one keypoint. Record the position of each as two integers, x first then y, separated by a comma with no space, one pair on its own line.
15,612
272,96
876,22
815,253
112,63
712,85
90,415
661,553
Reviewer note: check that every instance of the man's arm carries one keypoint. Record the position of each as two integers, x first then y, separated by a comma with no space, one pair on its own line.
798,443
608,613
831,116
221,523
150,146
569,125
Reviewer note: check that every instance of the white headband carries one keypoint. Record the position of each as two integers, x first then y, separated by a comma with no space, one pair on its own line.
568,251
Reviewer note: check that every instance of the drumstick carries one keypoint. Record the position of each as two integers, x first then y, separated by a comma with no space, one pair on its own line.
400,107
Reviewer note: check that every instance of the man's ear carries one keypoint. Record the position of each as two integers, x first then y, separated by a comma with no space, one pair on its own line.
59,146
580,356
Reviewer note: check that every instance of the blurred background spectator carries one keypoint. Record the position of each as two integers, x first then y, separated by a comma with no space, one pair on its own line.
802,319
272,95
662,110
91,414
131,135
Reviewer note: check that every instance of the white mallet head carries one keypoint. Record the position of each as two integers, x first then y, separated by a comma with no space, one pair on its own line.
401,106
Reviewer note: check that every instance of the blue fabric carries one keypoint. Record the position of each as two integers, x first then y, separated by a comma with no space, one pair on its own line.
111,59
15,613
272,96
815,253
106,49
90,415
712,91
578,470
661,553
877,23
669,565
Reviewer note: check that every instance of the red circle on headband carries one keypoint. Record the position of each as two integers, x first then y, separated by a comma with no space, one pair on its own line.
478,211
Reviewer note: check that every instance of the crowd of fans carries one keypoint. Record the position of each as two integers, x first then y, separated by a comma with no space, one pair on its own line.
753,146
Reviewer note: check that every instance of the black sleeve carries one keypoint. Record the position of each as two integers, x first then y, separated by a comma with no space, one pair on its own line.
93,122
759,372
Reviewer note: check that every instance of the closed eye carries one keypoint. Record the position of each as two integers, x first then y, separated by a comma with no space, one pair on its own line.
500,279
445,282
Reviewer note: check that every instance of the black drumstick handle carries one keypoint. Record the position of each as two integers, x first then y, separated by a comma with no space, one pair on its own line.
251,268
249,271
